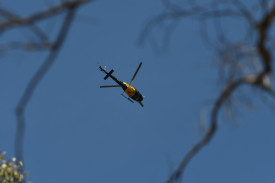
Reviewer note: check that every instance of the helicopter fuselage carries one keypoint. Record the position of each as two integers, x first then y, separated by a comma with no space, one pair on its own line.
131,91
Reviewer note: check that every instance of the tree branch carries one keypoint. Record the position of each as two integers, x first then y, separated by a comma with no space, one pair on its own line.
40,73
253,77
16,22
176,176
263,27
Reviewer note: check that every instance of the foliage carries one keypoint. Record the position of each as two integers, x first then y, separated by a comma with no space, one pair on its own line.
10,170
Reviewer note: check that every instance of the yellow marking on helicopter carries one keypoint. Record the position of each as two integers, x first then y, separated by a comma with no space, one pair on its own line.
130,90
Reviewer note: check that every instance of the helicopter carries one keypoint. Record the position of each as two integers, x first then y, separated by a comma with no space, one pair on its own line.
132,92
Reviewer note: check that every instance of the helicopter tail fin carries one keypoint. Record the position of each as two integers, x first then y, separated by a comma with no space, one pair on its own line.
108,74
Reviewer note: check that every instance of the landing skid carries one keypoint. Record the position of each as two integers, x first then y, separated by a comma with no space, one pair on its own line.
127,98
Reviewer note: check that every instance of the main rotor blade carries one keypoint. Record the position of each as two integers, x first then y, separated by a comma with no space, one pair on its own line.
135,73
109,86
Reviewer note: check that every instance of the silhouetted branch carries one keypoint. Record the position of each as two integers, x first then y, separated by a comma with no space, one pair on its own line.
13,20
245,12
9,16
176,176
20,109
202,13
263,27
70,7
10,20
53,11
247,61
31,46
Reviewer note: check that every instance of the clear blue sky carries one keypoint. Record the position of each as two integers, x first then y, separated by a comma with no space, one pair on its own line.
77,132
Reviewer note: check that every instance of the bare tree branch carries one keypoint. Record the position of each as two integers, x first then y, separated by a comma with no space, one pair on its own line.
53,11
36,30
240,55
176,176
30,46
263,28
40,73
